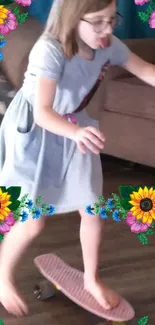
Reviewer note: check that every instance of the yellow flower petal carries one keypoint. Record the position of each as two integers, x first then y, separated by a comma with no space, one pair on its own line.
152,213
4,213
3,9
136,204
5,204
132,196
136,213
133,209
145,217
1,217
146,192
137,196
1,21
3,15
150,191
140,215
141,192
150,219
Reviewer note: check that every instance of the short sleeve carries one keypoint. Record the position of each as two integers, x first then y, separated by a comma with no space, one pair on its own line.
46,60
119,52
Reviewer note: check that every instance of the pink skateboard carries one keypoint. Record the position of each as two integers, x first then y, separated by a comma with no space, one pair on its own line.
70,282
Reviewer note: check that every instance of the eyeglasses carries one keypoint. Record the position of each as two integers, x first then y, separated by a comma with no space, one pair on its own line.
100,25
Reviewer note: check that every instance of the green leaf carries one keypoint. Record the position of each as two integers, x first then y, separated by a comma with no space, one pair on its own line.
44,206
125,191
22,18
14,191
16,216
6,2
3,189
142,238
101,199
33,209
107,210
39,199
14,206
116,198
97,211
149,232
1,36
16,11
96,205
1,237
44,211
123,215
24,199
153,224
143,320
136,188
125,204
149,9
143,16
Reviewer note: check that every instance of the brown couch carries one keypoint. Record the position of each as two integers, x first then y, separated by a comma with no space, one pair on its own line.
126,111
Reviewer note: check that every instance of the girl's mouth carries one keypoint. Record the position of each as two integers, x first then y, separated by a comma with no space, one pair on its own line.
104,42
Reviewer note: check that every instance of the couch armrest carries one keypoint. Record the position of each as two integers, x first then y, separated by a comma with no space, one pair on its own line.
145,48
19,44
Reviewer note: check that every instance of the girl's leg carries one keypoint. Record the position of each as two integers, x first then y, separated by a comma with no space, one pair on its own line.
12,248
91,235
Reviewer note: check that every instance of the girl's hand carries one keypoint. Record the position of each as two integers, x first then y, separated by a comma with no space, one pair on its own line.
91,138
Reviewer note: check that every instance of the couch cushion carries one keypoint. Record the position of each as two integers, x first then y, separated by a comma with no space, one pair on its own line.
19,44
132,97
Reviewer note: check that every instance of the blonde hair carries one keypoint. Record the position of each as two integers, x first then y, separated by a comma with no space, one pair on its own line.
64,18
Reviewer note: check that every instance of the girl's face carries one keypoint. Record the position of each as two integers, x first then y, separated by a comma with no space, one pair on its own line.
95,29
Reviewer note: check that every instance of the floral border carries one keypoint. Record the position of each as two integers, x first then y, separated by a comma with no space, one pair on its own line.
10,17
135,206
142,321
12,209
148,14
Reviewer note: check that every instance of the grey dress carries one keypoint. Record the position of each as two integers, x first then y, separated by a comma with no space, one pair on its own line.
41,162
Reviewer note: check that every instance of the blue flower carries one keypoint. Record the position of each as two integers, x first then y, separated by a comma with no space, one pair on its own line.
37,213
103,214
89,210
110,204
24,216
1,56
51,210
116,216
30,204
2,43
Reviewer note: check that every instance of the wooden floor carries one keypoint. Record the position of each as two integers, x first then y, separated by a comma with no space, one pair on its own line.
126,265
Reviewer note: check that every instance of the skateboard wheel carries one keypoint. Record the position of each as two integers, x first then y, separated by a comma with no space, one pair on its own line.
45,290
57,287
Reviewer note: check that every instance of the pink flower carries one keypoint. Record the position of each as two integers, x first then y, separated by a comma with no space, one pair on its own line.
24,3
152,20
9,25
135,225
141,2
8,222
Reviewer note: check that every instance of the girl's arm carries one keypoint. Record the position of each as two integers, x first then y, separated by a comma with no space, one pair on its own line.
45,116
141,69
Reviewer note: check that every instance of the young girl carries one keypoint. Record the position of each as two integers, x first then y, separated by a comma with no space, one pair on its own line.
56,155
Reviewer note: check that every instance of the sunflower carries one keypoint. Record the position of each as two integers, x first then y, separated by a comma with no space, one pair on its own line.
143,203
4,203
3,14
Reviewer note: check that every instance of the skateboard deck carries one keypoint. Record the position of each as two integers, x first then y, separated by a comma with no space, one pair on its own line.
70,282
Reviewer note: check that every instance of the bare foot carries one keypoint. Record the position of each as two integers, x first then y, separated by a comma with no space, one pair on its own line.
11,300
106,297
